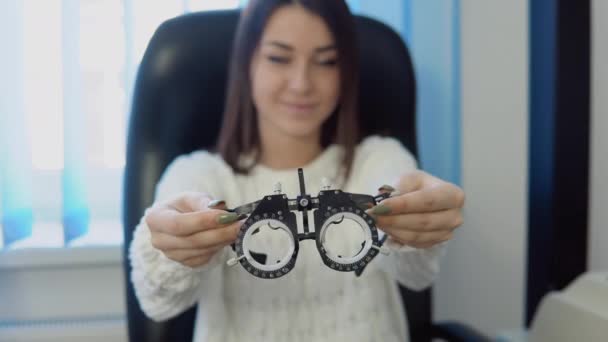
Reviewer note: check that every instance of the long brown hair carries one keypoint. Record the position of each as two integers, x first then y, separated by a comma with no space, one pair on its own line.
239,132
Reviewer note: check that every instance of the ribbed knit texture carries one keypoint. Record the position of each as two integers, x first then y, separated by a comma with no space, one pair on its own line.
312,302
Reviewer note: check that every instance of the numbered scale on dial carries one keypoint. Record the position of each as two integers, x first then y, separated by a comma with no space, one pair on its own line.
346,237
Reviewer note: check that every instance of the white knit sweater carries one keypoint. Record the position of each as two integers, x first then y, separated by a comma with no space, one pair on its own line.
312,302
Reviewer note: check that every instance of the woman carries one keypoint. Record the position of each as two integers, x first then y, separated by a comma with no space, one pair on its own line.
291,103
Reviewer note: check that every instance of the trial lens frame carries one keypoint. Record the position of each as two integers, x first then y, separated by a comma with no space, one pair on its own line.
278,212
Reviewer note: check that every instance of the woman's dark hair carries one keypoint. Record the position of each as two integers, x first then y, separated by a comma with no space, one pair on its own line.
239,131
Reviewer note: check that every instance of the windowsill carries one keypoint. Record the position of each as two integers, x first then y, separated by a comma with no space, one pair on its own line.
60,257
54,285
102,245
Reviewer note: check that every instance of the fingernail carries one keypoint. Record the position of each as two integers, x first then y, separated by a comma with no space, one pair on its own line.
227,218
387,188
215,203
381,209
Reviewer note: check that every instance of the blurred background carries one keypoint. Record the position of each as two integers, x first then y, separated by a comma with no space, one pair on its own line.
512,106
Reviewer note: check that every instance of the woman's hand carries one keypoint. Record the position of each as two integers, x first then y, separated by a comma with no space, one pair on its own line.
425,211
191,228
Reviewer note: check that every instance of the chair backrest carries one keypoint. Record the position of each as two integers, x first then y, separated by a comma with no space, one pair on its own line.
177,106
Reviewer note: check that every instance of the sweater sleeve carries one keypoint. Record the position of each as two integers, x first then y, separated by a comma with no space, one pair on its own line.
163,287
381,160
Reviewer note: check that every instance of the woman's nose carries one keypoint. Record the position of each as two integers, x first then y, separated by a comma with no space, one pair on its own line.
300,79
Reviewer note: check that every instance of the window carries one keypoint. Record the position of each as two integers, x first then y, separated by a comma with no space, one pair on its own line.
67,75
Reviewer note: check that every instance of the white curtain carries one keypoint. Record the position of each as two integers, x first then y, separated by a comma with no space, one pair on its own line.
67,69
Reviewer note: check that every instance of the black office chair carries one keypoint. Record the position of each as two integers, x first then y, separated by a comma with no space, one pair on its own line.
177,107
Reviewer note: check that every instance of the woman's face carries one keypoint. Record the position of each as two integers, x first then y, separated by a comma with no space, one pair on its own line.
294,74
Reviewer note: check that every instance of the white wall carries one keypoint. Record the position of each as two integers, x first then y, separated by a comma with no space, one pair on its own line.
598,252
483,277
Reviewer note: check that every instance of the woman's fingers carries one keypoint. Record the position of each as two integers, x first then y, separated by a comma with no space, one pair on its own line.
420,222
204,239
190,201
421,240
437,198
172,222
197,261
185,254
191,227
425,212
420,230
214,237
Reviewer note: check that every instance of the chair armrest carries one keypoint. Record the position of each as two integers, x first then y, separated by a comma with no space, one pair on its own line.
457,332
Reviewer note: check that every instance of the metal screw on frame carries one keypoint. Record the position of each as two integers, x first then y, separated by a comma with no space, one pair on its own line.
325,184
278,188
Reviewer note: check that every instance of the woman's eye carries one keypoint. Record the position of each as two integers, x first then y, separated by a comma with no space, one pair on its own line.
329,62
279,60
